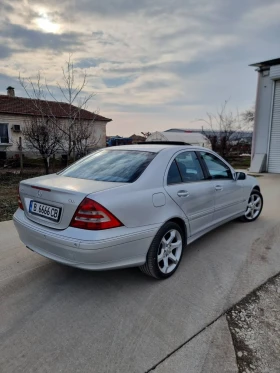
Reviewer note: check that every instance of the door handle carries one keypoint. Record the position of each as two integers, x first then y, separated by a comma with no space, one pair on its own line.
218,187
183,193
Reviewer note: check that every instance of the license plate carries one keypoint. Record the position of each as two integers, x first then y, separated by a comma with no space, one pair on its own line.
46,211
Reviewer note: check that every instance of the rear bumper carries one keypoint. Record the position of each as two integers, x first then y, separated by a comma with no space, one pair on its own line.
121,250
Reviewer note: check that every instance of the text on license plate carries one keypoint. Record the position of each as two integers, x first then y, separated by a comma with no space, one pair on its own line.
46,211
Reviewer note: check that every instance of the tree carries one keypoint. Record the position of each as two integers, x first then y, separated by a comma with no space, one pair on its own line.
225,130
43,136
84,138
146,134
77,134
248,115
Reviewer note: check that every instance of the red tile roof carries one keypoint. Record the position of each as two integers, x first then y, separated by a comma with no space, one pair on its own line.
27,106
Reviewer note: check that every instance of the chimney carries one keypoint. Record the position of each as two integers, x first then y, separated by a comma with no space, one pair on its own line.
11,91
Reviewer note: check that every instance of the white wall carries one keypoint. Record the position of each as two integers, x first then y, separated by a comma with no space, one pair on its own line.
11,120
263,112
99,132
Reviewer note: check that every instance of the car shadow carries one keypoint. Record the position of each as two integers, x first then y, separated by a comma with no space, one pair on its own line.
133,277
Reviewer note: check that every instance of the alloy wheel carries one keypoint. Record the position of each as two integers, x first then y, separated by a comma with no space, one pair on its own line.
170,251
254,206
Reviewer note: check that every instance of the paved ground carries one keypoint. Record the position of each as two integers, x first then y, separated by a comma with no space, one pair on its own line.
255,327
59,319
211,351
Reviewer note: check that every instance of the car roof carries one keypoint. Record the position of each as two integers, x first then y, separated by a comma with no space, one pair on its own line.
155,148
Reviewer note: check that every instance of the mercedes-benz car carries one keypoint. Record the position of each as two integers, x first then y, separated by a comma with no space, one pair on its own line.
133,205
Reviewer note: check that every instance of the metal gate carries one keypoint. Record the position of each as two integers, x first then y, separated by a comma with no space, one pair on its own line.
274,148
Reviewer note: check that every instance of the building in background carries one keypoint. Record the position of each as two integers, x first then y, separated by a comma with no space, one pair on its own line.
266,140
246,135
181,136
238,143
117,140
15,111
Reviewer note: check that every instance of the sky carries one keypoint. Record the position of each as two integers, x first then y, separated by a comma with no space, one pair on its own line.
152,64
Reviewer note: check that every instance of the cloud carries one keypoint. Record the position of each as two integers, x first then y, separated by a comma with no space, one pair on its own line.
266,14
34,39
152,59
6,51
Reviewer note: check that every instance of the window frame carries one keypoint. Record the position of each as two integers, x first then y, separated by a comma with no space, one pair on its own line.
202,165
8,133
207,169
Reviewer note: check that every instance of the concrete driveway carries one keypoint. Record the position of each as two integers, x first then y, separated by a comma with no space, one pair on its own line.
59,319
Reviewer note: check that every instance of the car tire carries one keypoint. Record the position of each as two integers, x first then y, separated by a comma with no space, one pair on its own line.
165,252
254,207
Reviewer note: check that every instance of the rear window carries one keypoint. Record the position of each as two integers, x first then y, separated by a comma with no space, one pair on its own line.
123,166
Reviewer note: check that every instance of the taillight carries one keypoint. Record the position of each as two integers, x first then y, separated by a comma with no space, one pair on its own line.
20,205
91,215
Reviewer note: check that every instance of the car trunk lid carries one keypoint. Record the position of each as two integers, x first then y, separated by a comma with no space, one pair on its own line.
52,200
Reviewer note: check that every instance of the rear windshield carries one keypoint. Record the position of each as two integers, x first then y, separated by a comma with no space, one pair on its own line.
123,166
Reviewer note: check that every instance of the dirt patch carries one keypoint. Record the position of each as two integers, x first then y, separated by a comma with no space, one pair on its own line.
255,328
9,182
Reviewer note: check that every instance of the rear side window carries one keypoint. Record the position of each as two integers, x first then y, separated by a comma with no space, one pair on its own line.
173,176
185,168
189,167
123,166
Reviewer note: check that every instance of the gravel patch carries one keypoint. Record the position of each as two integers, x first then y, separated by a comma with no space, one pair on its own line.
255,328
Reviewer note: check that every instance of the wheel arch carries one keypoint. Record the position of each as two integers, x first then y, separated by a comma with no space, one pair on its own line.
182,225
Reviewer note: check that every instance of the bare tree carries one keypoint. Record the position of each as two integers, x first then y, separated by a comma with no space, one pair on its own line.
248,116
146,134
225,130
77,132
84,138
42,135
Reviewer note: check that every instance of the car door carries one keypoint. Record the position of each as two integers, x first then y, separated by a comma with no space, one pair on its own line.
187,185
229,193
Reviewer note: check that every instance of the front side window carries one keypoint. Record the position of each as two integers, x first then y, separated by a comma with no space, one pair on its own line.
124,166
217,168
4,136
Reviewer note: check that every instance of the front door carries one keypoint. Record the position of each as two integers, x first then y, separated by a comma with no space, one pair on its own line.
229,194
188,186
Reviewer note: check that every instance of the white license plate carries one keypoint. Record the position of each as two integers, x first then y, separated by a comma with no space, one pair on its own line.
46,211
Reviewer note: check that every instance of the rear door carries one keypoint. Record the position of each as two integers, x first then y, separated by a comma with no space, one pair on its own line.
229,194
187,185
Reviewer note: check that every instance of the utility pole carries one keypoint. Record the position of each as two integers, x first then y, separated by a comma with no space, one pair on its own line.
20,155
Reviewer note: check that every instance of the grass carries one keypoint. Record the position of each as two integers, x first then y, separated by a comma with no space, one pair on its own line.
240,162
8,193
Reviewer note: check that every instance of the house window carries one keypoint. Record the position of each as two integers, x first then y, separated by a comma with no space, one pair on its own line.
4,134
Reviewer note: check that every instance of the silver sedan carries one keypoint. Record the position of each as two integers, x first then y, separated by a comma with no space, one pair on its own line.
135,205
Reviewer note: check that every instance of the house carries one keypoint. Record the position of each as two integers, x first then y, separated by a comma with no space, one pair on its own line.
266,139
15,111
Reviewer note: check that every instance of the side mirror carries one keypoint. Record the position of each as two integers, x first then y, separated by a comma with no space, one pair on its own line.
240,176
